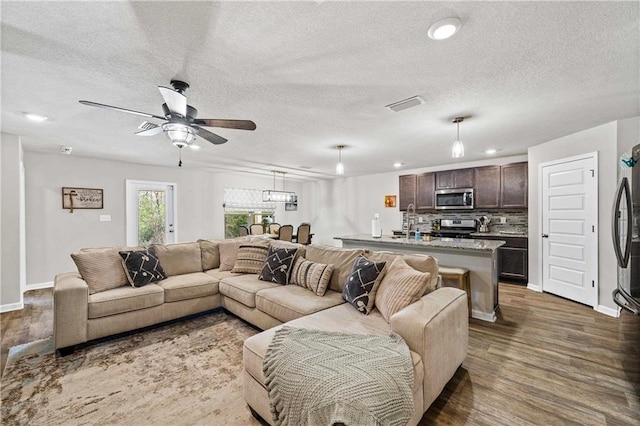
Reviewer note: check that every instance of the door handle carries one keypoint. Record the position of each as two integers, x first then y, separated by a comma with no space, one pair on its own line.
545,235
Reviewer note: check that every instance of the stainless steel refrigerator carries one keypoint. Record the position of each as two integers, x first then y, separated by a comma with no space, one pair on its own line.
626,233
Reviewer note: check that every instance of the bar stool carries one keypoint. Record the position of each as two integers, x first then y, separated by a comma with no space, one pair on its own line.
462,276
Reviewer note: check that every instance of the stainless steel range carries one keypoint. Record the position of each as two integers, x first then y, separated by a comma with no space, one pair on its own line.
455,228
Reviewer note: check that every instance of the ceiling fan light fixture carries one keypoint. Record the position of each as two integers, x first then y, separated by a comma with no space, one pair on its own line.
179,134
444,29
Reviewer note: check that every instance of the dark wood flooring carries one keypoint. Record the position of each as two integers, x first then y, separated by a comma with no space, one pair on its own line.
546,361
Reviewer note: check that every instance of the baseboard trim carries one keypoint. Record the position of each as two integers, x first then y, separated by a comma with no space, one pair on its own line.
612,312
11,307
484,316
534,287
38,286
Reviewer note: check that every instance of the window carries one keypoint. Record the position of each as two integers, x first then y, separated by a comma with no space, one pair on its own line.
243,207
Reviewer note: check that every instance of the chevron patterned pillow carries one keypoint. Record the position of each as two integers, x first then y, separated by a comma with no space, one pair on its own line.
362,283
277,266
142,266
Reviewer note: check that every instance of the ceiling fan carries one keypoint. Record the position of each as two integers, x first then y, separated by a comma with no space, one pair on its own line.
181,124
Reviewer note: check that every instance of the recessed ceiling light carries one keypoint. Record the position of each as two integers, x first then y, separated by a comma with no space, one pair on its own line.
445,28
35,117
490,151
397,165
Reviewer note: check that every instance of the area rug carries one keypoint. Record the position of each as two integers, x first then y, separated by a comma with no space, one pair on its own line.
183,373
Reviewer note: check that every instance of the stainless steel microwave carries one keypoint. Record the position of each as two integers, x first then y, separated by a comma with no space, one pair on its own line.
454,199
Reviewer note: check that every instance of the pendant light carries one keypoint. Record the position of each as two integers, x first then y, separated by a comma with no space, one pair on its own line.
457,150
340,166
284,196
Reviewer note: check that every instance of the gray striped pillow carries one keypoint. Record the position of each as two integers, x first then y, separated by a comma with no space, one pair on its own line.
101,268
400,287
311,275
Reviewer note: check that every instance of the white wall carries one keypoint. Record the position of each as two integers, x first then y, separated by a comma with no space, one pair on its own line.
53,233
345,206
602,139
12,279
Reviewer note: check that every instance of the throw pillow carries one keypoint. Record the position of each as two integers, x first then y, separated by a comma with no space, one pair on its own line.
311,275
210,254
362,284
400,287
100,268
250,259
277,266
142,266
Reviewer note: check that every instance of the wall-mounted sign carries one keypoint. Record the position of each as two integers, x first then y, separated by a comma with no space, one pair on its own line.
81,198
389,200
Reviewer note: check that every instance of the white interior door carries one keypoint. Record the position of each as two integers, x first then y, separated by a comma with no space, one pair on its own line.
569,228
151,217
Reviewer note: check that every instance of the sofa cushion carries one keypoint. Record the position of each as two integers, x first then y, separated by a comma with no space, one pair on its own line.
142,266
189,286
341,259
250,258
124,299
311,275
290,302
401,286
178,259
243,288
210,254
101,268
362,283
277,265
218,274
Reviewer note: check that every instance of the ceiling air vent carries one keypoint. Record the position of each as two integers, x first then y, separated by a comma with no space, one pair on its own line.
146,126
66,150
405,104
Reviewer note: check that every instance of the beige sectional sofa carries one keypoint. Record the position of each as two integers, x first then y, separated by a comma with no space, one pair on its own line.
435,327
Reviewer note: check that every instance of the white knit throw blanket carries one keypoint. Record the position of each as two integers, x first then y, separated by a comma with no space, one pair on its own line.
322,378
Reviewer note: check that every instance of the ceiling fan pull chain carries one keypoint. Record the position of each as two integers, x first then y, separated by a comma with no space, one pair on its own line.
180,154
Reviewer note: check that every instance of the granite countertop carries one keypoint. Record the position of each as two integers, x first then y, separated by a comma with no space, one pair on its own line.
444,243
501,234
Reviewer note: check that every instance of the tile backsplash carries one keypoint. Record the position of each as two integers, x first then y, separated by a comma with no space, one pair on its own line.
515,221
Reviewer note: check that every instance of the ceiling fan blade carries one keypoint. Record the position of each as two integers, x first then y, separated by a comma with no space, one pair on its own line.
149,129
176,101
228,124
211,137
130,111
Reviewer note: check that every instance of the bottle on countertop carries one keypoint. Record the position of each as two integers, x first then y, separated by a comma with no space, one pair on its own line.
417,234
376,231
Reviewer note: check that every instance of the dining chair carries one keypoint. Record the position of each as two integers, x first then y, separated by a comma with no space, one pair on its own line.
243,231
273,228
256,229
285,233
304,234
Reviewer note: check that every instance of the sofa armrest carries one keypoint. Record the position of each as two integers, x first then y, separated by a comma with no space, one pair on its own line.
70,310
437,328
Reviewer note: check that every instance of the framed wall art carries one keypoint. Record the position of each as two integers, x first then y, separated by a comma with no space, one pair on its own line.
81,198
389,200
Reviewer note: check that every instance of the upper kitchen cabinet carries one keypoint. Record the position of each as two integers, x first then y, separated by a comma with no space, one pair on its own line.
425,192
407,191
487,187
462,178
514,188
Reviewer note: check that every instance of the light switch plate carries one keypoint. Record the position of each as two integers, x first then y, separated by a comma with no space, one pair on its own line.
105,218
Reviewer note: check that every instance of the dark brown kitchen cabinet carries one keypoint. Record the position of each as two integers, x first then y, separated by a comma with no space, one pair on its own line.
462,178
513,259
514,188
407,191
425,192
487,187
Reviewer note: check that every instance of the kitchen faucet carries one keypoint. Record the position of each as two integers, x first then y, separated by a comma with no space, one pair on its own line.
409,208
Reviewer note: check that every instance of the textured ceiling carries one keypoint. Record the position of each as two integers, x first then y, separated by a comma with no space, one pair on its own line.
313,75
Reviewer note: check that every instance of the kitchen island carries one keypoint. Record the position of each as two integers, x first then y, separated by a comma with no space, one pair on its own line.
479,256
